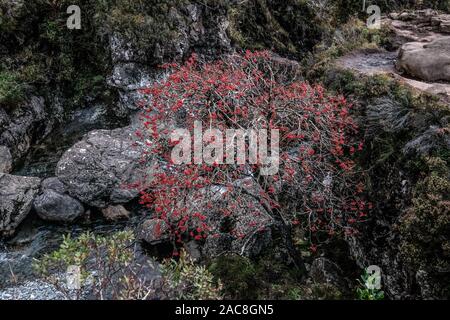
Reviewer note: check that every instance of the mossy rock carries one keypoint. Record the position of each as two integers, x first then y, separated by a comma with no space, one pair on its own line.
11,89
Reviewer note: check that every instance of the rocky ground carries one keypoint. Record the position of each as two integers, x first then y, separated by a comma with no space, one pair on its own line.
32,290
418,55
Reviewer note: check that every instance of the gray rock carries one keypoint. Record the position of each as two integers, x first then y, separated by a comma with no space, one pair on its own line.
33,290
134,58
428,287
442,21
324,270
5,160
4,119
15,267
98,169
129,78
252,226
16,199
19,133
53,206
416,26
426,61
193,249
121,49
115,213
54,184
154,231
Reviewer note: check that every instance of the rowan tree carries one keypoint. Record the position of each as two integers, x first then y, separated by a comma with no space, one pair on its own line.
316,186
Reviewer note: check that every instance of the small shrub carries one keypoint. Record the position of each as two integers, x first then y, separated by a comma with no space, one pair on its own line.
319,291
182,279
317,148
239,276
11,89
108,269
424,226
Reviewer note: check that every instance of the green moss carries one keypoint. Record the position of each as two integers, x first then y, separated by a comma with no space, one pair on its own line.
41,51
11,88
239,275
352,35
314,291
265,278
287,27
425,225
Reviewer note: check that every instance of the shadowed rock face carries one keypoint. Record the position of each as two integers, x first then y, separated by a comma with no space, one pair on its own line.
5,160
324,270
154,231
252,224
19,126
53,206
16,200
98,169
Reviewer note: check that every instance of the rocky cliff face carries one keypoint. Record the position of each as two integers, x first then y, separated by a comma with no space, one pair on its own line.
407,143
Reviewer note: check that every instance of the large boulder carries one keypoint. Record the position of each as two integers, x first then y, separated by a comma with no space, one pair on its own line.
16,199
53,206
5,160
99,170
426,61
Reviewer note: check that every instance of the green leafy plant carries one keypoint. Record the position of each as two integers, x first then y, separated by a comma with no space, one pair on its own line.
239,275
108,269
368,289
183,279
315,291
11,89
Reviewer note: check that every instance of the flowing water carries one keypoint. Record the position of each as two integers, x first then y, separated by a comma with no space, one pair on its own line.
34,236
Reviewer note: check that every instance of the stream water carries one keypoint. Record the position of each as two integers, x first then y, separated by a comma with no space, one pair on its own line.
36,237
